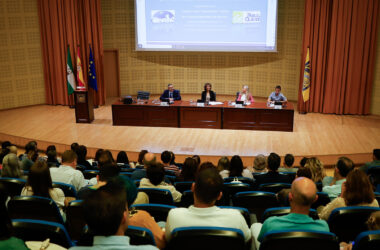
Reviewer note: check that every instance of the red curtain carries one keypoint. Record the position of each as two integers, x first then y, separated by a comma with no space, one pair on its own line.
341,35
70,23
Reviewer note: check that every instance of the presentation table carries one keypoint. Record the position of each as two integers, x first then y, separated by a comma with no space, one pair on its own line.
185,114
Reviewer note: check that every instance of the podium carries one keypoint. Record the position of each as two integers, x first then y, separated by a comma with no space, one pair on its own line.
84,106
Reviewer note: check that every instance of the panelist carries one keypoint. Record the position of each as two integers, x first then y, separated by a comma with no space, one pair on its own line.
277,96
171,94
244,95
208,94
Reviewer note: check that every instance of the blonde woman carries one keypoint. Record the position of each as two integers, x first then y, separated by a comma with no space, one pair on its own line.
316,168
244,95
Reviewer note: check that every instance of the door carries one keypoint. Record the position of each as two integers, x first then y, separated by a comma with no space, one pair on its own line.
111,73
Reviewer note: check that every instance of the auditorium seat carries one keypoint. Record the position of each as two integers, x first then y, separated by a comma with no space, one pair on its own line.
299,240
373,173
127,170
158,196
68,189
323,200
137,182
183,186
280,211
39,230
291,175
187,199
170,172
273,187
158,211
34,207
140,236
13,186
128,174
246,180
348,222
172,179
89,174
243,211
368,240
206,238
74,219
231,188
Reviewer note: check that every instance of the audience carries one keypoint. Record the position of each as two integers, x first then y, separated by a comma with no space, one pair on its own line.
189,170
81,152
273,175
288,164
375,161
332,186
155,179
107,216
303,161
316,168
52,160
237,169
356,191
140,163
122,159
11,166
207,189
166,158
149,158
40,184
260,164
30,156
67,172
223,164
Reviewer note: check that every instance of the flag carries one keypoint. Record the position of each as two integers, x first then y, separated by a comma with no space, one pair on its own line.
70,74
79,71
92,73
306,79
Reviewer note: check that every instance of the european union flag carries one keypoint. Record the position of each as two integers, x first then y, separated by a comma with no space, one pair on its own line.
92,73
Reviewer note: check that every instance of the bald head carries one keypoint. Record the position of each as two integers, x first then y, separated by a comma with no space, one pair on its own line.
303,192
149,158
13,149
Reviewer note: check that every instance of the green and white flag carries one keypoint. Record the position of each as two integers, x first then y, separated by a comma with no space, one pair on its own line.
70,74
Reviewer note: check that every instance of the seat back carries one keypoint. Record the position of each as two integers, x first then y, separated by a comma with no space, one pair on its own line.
291,175
140,236
158,196
368,240
13,186
89,174
128,174
38,230
349,222
299,240
373,173
74,219
243,211
255,201
187,199
220,238
323,200
143,95
183,186
158,211
273,187
68,189
246,180
280,211
34,207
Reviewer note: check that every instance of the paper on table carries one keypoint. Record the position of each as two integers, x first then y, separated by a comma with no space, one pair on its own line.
215,103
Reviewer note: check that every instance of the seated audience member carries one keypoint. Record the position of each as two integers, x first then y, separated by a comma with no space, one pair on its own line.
11,166
198,159
189,170
67,172
74,146
277,96
316,168
207,190
205,165
149,158
375,161
140,160
40,184
106,173
81,152
52,160
260,164
13,149
30,146
356,191
273,176
122,159
171,94
244,95
105,157
97,155
223,164
7,241
166,158
207,94
107,216
29,159
5,144
342,168
302,195
155,179
237,169
303,161
288,164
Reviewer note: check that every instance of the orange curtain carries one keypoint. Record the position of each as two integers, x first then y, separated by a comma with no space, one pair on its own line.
341,35
70,23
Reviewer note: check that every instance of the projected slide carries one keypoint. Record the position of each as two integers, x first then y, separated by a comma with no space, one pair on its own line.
206,25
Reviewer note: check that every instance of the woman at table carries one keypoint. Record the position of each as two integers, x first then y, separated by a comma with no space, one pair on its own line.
208,94
244,95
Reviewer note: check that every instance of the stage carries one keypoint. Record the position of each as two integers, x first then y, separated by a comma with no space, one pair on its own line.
321,135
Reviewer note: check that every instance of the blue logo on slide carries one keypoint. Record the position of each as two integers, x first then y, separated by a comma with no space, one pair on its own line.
163,16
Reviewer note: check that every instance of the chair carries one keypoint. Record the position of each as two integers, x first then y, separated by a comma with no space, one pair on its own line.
137,182
374,175
68,190
140,236
187,199
128,174
369,240
231,188
127,170
349,222
13,185
291,175
299,240
170,172
34,207
280,211
246,180
319,186
243,211
158,196
158,211
143,95
183,186
74,219
220,238
89,174
273,187
39,230
323,200
81,168
171,178
255,201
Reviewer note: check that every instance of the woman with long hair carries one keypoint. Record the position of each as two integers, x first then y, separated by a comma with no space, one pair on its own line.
244,95
316,168
208,94
189,170
237,169
11,167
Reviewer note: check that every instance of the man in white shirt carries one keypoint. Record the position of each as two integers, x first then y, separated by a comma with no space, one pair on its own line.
67,172
207,190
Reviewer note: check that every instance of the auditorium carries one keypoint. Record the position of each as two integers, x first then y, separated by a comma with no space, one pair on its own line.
190,124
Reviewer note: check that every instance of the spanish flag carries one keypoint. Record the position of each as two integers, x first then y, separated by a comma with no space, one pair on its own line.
80,80
306,79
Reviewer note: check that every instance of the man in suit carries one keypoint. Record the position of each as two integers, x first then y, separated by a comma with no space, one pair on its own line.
170,94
